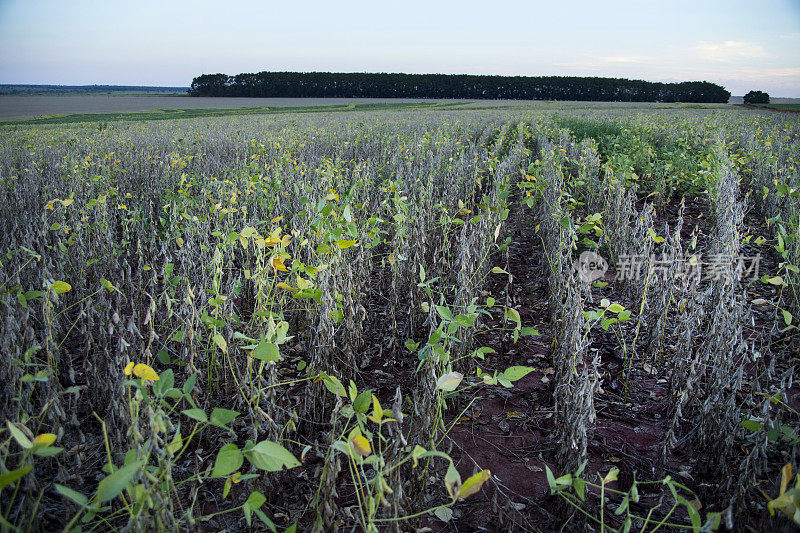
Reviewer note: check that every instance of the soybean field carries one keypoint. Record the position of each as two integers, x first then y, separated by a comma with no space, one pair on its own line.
402,319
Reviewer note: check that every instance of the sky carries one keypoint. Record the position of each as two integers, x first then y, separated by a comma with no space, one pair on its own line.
742,45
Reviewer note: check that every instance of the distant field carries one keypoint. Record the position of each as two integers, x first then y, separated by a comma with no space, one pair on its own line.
781,107
169,114
93,108
27,107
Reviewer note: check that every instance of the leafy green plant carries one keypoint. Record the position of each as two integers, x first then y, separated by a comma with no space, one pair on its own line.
146,475
17,465
576,490
366,448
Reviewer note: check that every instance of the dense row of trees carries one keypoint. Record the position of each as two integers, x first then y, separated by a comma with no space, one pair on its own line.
458,86
756,97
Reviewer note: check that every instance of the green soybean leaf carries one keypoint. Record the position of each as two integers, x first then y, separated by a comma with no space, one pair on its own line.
363,402
19,435
165,382
333,384
616,308
445,514
444,312
112,486
514,373
611,476
751,425
254,501
229,460
267,351
14,475
580,487
196,414
271,456
221,417
73,495
512,315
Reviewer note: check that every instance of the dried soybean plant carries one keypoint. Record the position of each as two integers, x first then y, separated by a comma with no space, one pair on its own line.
576,377
708,377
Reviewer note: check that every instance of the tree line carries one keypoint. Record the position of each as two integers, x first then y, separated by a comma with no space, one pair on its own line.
756,97
455,86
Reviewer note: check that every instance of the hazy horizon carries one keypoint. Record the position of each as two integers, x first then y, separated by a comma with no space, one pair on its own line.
740,45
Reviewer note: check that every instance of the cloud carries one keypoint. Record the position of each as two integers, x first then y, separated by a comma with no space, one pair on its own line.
729,51
624,59
772,73
594,62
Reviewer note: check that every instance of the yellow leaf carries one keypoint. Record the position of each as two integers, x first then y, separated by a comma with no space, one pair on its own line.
377,411
143,371
271,241
786,476
277,264
60,287
129,368
332,196
784,503
219,340
344,244
45,439
285,286
473,484
360,445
